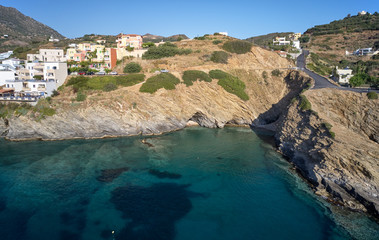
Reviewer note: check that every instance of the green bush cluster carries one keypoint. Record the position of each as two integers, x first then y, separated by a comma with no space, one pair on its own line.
218,74
215,42
328,127
219,57
237,46
81,83
304,103
132,67
191,76
276,73
163,80
372,95
165,50
40,111
230,83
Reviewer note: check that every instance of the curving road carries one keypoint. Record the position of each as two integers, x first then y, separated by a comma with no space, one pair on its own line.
321,82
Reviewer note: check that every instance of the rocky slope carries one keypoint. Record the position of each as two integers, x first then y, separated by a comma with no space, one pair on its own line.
345,169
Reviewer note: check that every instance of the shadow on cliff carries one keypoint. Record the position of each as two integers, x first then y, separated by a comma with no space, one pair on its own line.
295,83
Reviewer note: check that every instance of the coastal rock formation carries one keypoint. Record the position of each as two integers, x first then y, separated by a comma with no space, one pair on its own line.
344,168
126,111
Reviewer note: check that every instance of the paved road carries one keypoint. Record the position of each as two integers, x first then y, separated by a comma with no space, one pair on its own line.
321,82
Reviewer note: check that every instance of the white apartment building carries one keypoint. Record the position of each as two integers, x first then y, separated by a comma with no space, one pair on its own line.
47,55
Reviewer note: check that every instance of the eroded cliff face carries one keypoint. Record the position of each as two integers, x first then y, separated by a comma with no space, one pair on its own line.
345,168
127,112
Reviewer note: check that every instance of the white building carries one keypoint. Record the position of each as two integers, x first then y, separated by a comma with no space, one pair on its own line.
223,33
47,55
296,44
343,76
281,41
5,55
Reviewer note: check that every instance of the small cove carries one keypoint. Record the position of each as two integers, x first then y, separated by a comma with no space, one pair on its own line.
196,183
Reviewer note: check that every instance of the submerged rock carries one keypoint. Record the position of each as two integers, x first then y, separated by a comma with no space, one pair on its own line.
108,175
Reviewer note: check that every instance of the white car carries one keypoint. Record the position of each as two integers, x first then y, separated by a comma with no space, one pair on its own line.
113,73
100,73
164,71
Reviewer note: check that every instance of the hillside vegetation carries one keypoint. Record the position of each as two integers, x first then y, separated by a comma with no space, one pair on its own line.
358,23
22,30
329,44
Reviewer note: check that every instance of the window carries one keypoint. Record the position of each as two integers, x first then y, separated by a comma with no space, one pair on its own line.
55,68
34,86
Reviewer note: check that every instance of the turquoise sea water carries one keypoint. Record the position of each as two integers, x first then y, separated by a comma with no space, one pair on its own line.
192,184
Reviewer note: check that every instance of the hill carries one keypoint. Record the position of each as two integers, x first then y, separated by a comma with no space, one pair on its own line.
22,30
330,42
156,38
264,40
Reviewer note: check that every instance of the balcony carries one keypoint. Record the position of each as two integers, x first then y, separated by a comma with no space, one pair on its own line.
26,89
41,89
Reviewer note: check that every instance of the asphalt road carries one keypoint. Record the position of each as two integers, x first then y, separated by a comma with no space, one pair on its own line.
321,82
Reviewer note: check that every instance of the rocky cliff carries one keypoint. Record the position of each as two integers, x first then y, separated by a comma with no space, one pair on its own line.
343,166
126,111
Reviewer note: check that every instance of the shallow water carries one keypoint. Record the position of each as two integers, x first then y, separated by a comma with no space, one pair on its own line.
192,184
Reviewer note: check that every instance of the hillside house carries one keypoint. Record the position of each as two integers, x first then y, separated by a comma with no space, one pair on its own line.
342,76
129,40
280,41
363,51
295,36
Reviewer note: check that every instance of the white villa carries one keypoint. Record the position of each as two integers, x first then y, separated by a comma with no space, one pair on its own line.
343,76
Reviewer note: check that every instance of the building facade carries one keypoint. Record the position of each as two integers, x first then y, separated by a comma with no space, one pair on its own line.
47,55
129,40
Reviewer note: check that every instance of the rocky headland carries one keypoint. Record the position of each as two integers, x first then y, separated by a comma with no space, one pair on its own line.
334,145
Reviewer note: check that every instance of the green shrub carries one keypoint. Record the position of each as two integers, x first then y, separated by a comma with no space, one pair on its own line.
328,127
55,93
109,87
163,80
372,95
264,75
99,82
165,50
230,83
237,46
191,76
304,103
215,42
132,67
130,80
80,97
219,57
218,74
276,73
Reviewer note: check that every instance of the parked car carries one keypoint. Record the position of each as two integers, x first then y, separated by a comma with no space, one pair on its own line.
90,73
100,73
164,71
82,73
113,73
74,73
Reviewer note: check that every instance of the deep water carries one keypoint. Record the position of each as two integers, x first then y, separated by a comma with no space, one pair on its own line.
192,184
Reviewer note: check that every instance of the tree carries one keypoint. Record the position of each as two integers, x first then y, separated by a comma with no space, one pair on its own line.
357,80
132,67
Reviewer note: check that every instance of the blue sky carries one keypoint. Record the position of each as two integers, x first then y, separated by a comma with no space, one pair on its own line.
240,18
